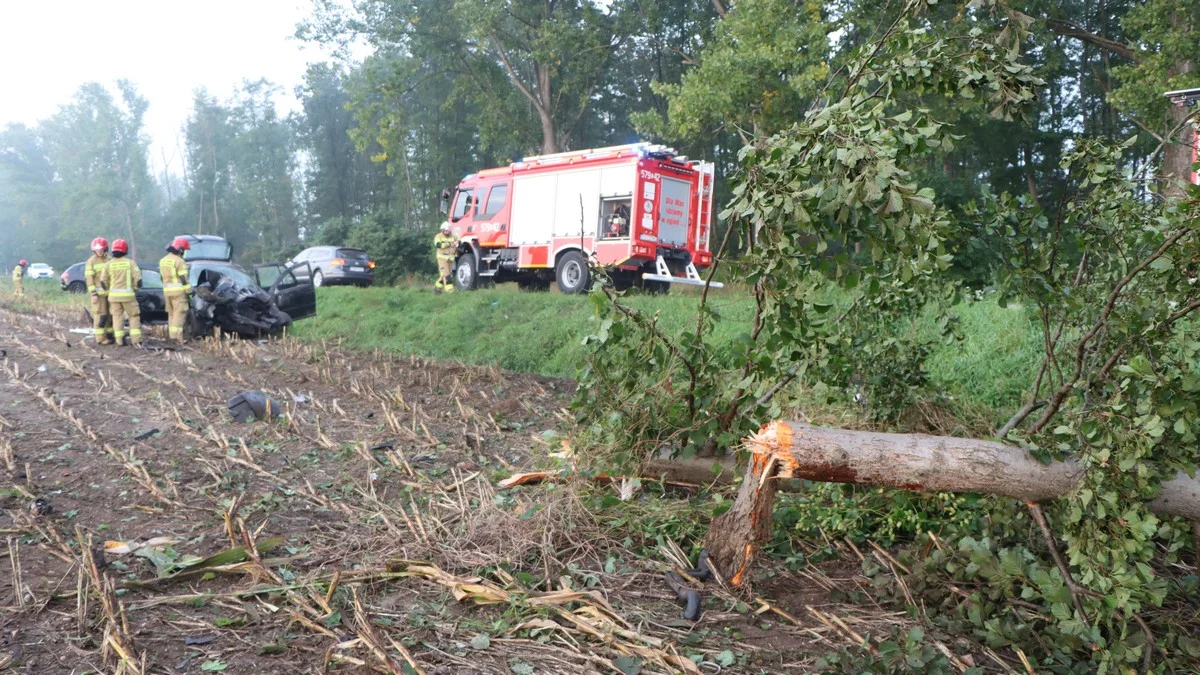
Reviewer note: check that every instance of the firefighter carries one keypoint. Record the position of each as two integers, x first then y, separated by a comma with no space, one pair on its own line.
176,289
19,279
122,278
91,274
444,246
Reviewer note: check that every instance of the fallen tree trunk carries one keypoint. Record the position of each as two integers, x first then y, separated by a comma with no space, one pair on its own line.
791,450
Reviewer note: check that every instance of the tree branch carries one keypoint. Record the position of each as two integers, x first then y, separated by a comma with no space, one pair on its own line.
512,74
1068,29
1101,322
720,7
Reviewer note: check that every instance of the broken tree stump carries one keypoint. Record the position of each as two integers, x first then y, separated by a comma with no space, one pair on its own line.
785,450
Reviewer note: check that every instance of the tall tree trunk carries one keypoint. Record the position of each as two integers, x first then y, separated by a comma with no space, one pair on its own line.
549,139
1177,156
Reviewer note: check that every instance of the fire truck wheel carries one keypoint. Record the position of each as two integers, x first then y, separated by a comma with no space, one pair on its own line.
656,288
573,273
466,276
533,284
622,280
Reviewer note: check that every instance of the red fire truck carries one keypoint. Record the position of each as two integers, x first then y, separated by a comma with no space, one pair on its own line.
640,211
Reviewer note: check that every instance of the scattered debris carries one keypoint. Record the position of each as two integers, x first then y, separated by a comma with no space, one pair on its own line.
253,405
199,639
40,507
689,596
527,478
148,434
126,547
300,399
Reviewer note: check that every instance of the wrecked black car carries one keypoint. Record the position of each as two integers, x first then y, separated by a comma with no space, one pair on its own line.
227,297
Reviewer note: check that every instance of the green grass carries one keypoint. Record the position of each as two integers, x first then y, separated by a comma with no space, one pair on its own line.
543,332
527,332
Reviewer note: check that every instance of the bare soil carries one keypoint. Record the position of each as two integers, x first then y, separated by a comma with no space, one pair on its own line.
392,549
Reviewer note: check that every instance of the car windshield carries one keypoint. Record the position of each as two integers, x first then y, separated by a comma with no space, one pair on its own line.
151,279
239,276
209,250
351,254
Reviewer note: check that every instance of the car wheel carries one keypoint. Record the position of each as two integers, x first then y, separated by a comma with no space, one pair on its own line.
318,279
466,274
533,284
572,273
76,287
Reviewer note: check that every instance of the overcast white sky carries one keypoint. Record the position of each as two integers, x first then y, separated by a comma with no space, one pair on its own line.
167,48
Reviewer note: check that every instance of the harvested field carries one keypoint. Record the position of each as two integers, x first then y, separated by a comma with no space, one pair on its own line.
363,532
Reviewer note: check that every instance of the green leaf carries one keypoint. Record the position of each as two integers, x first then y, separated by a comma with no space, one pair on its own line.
481,641
213,666
628,665
333,620
725,658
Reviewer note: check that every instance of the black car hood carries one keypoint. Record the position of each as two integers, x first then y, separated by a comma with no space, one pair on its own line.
247,311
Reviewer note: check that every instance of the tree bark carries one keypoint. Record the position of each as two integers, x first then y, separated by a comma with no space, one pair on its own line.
792,450
1178,153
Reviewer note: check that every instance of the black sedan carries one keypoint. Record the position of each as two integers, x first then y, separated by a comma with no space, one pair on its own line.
72,279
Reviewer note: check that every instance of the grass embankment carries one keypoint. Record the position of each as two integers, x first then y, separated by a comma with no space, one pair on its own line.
543,333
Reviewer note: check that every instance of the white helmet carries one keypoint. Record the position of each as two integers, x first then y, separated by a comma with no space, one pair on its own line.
446,227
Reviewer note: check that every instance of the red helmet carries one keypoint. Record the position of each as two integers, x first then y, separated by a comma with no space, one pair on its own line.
99,244
181,244
24,263
120,246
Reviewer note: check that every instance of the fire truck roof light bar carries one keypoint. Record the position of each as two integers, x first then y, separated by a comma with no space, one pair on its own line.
692,278
642,149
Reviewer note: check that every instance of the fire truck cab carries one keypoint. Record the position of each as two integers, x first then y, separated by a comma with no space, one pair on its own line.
640,211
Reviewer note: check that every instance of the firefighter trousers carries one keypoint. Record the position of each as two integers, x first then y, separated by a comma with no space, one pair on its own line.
101,320
122,309
18,288
177,309
445,281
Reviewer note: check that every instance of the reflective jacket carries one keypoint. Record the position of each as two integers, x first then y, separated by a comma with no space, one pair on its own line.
18,272
444,246
121,277
91,274
174,273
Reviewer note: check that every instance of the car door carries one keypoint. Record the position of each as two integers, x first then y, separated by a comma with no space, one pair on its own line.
303,272
150,297
297,298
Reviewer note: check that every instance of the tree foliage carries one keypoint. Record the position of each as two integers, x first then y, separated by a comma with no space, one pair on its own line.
1106,265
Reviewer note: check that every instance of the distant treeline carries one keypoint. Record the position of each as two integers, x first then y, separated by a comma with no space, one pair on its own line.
452,87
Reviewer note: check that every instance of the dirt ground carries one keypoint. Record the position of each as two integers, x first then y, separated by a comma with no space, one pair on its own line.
363,532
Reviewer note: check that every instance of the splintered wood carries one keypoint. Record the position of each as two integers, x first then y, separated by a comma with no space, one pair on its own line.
735,537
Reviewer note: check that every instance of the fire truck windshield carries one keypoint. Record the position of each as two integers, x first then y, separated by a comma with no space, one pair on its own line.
462,204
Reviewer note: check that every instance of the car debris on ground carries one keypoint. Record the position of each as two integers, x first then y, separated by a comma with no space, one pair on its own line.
253,405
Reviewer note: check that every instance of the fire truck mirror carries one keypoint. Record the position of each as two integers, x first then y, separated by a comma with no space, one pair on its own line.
444,203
